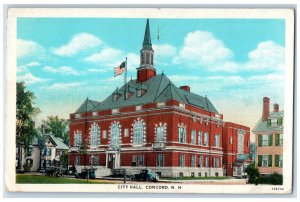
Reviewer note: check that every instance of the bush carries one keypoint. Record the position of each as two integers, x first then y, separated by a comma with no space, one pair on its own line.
274,178
27,166
253,173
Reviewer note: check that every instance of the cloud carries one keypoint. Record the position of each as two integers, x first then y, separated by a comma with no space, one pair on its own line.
267,56
27,48
201,48
164,50
107,56
62,70
79,43
110,57
96,70
24,68
30,79
64,86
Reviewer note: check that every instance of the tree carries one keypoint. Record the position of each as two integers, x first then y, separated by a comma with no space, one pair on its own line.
57,127
64,159
252,172
25,112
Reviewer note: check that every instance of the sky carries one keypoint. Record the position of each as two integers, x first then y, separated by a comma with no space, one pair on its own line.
234,62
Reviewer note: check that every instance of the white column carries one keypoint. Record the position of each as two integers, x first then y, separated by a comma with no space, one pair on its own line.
106,160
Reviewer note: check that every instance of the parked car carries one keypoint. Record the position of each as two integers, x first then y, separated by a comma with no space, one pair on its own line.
145,175
86,172
53,171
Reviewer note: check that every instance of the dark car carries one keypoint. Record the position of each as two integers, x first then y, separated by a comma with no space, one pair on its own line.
86,173
145,175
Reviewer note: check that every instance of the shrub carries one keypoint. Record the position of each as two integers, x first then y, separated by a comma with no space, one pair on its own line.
27,166
274,178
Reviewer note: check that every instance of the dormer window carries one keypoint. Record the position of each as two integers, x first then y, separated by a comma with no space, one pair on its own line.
95,113
140,92
129,94
181,105
116,96
77,116
275,122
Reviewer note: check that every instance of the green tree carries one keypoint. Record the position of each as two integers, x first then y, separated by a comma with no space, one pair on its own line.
64,159
57,127
25,112
252,172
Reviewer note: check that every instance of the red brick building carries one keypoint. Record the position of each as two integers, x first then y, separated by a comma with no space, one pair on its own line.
149,122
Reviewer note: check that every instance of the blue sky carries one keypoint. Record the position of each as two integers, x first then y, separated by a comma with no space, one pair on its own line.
235,62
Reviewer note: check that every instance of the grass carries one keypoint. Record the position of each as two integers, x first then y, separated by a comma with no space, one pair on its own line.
196,178
38,179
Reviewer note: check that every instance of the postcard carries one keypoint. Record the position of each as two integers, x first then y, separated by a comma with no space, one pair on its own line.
149,100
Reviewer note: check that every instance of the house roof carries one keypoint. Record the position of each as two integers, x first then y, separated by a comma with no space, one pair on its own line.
262,126
159,89
58,142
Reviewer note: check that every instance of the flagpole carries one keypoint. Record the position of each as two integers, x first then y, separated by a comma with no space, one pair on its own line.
125,77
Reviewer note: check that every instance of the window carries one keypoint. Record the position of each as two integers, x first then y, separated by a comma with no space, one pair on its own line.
139,107
115,134
161,104
181,135
116,96
181,160
95,113
94,135
199,174
147,58
193,161
206,139
126,132
181,105
128,94
77,139
217,140
30,149
200,161
160,134
265,160
278,160
113,111
181,174
29,161
104,134
216,162
230,140
48,163
192,174
200,120
265,140
95,160
199,138
241,134
48,151
216,174
160,160
77,160
193,137
278,139
140,92
77,116
138,132
206,162
138,160
194,118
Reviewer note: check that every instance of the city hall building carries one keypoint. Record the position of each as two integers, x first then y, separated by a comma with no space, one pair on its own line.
151,123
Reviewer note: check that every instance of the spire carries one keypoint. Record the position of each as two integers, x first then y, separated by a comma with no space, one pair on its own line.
147,38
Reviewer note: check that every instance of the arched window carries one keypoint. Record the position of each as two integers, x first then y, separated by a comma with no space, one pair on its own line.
138,132
240,145
77,138
94,135
115,134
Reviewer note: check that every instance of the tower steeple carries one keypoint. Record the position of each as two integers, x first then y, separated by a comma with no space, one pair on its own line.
146,69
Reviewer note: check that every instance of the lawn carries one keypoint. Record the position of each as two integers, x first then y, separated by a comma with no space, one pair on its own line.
196,178
38,179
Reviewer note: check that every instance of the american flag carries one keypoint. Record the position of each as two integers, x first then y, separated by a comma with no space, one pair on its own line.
120,69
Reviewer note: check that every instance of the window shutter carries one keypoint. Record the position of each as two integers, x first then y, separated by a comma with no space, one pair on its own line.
279,122
270,161
269,122
259,140
270,139
277,137
259,160
276,160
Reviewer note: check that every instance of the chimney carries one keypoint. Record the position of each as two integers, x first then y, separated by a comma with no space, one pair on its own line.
186,88
276,107
266,108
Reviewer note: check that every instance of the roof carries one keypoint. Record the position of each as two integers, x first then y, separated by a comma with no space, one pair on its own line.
87,105
147,38
159,89
59,143
261,126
